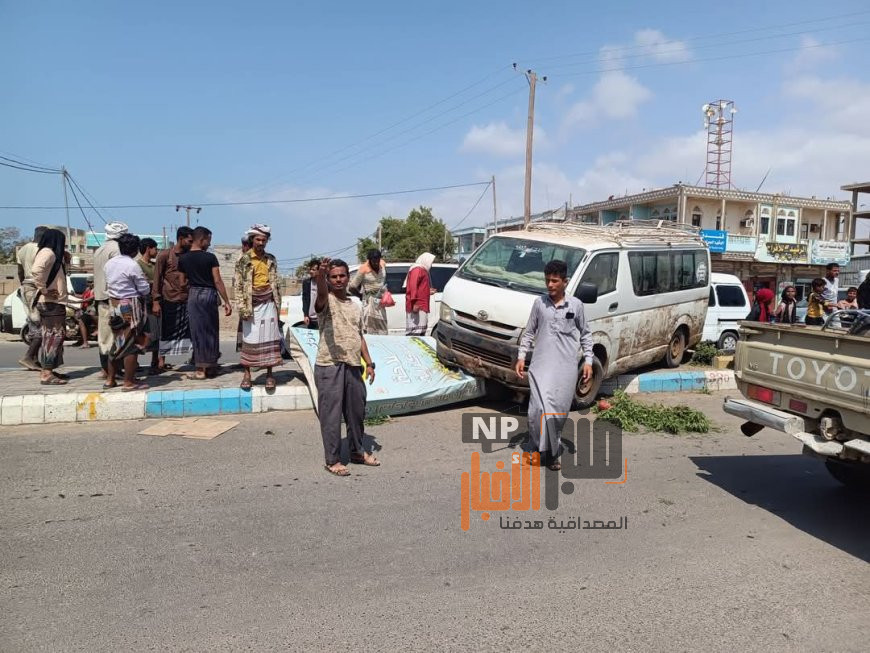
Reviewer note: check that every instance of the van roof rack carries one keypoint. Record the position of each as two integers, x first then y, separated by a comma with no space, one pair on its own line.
627,232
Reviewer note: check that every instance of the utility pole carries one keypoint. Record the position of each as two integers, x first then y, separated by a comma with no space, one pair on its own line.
532,78
66,206
188,209
164,236
380,227
494,210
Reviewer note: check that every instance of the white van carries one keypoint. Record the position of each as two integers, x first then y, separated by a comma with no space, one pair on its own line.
728,304
652,281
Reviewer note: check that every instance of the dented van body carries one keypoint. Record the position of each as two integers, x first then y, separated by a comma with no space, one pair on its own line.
810,382
651,282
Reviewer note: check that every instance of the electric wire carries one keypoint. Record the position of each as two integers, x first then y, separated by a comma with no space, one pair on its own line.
260,202
706,37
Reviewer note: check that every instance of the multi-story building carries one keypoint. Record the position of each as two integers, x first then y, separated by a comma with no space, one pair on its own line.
466,240
856,271
767,240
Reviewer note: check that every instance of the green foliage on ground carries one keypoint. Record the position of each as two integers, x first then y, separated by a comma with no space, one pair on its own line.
405,240
704,353
629,414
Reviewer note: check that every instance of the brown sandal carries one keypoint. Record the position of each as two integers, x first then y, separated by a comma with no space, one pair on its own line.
337,471
366,459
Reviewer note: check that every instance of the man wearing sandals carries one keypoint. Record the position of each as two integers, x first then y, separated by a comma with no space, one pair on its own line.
257,291
338,372
127,288
557,326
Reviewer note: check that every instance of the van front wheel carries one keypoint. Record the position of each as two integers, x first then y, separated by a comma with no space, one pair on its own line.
676,349
586,393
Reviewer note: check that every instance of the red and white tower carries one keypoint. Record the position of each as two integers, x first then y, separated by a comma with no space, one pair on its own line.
719,123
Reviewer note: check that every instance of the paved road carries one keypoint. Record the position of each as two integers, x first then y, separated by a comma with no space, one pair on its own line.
115,541
11,351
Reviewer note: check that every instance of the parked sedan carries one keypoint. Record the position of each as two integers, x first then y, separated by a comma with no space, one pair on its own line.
291,306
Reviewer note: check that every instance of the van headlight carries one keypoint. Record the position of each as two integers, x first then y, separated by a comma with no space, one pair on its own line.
446,313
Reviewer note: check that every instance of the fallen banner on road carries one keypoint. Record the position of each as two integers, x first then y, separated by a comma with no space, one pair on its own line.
408,375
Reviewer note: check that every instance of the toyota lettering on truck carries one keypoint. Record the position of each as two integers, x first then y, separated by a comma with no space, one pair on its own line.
645,285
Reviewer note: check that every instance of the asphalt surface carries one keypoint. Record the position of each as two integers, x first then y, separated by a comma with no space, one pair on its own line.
11,351
116,541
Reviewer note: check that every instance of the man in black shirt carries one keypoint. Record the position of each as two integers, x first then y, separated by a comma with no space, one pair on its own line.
202,272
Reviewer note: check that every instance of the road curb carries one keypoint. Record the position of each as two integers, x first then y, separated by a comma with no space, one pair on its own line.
695,381
101,406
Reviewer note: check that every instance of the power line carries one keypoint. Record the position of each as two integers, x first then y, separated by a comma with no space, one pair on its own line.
765,37
259,202
85,195
26,169
431,131
391,126
31,165
344,249
417,126
456,226
722,58
706,37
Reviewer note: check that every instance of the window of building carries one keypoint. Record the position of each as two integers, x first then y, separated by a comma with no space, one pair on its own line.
718,221
730,296
805,231
696,219
764,230
661,272
602,271
785,226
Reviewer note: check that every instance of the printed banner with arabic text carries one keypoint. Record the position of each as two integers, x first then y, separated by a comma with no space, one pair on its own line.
408,375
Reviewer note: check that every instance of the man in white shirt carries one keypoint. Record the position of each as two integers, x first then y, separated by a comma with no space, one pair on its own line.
108,250
126,287
24,258
832,282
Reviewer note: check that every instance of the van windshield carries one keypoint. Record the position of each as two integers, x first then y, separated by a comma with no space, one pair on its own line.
517,264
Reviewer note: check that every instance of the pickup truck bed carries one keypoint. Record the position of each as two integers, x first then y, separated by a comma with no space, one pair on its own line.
811,383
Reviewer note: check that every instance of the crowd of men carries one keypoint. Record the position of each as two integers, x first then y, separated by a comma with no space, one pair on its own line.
165,303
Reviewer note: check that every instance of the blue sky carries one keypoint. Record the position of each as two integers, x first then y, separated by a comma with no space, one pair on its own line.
189,102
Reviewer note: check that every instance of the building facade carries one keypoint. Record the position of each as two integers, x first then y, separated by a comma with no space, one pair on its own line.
764,239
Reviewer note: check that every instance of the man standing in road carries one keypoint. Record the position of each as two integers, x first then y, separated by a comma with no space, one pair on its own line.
202,272
169,300
557,325
107,251
832,282
24,258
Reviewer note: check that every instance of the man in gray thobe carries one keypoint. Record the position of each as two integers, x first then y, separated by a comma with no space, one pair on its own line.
558,328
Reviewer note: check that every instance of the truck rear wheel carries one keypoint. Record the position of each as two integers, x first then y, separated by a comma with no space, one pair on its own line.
586,393
855,476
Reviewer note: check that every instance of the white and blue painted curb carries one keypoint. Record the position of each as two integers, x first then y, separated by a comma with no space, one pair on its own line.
100,406
672,381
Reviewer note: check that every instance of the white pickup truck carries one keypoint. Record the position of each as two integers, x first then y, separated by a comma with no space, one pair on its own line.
812,383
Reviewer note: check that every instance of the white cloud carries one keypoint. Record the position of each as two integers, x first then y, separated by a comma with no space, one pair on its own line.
498,139
615,96
648,44
812,54
821,143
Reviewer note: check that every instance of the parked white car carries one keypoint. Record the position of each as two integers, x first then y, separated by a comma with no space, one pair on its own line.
728,304
291,306
14,316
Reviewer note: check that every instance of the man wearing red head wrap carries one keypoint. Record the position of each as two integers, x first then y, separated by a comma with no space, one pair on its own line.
761,307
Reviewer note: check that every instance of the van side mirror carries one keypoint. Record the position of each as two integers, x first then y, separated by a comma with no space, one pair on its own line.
587,292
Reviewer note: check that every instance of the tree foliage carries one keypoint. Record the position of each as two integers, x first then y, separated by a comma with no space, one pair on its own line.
10,239
405,240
